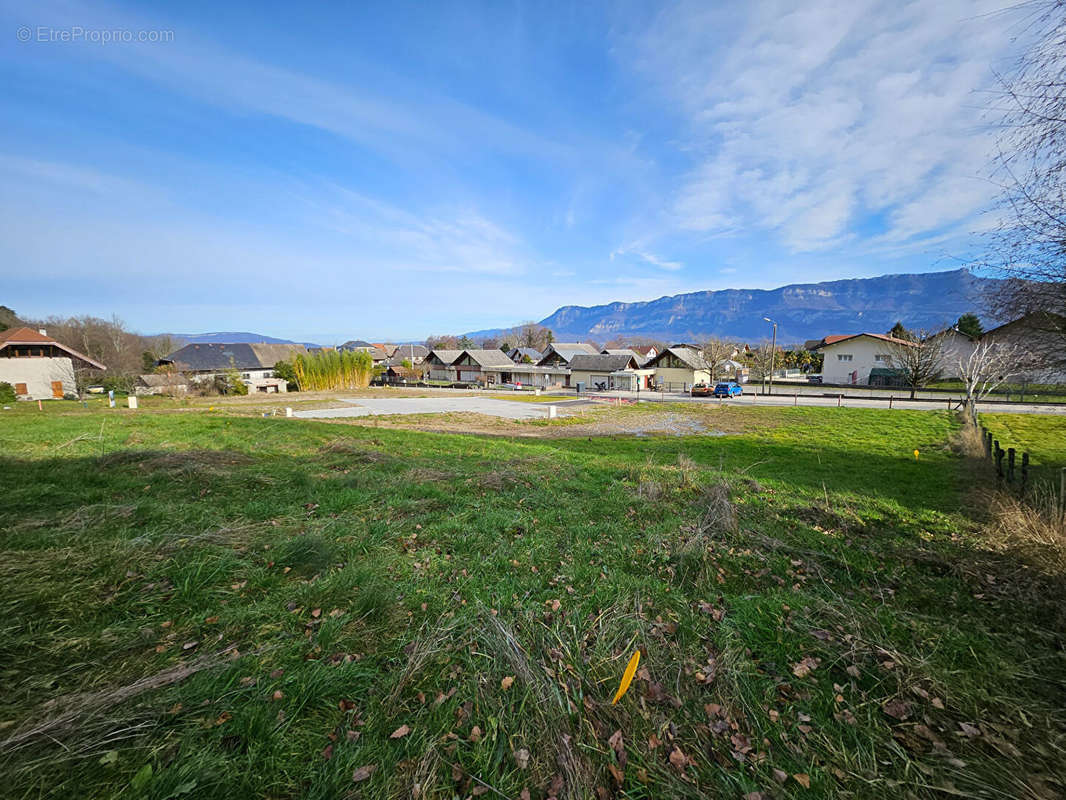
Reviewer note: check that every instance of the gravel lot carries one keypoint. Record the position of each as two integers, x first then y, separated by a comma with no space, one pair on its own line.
365,406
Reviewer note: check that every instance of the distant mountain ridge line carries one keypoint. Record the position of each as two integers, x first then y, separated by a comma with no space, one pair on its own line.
803,311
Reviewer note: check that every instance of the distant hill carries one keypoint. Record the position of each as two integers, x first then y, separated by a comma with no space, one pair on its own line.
803,310
234,337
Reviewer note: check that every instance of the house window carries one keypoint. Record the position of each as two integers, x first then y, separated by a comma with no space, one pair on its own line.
844,357
20,388
246,375
882,357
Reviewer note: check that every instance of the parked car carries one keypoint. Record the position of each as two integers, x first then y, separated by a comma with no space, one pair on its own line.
814,379
728,389
701,390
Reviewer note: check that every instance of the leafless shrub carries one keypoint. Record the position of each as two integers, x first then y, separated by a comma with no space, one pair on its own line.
650,491
687,467
718,513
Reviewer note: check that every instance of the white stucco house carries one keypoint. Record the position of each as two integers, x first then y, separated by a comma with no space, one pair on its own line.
857,357
39,367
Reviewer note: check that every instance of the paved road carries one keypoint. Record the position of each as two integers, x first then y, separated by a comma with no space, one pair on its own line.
749,398
365,406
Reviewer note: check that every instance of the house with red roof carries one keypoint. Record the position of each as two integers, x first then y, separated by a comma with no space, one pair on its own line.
39,367
856,358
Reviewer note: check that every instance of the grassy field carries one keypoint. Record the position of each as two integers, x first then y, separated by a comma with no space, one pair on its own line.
1044,438
210,604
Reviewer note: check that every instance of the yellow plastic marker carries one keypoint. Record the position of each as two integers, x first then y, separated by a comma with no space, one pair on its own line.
627,678
915,455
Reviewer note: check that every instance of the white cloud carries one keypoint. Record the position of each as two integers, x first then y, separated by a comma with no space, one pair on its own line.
647,257
816,119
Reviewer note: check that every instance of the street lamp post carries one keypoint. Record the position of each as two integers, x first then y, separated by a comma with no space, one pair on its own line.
773,352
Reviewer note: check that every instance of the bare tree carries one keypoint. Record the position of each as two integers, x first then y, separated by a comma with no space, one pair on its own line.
713,352
986,368
760,360
533,335
1028,247
919,360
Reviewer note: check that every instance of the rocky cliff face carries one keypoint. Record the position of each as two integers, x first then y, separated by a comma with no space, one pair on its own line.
802,311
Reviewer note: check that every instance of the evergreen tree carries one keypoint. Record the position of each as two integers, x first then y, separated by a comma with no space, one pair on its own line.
899,332
970,325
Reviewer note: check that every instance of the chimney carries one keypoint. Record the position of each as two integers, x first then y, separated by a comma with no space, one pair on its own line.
42,331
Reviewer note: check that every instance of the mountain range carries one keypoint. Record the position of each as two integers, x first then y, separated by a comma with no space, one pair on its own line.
234,337
931,301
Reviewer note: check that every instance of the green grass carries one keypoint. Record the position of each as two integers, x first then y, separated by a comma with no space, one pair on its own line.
850,630
1044,438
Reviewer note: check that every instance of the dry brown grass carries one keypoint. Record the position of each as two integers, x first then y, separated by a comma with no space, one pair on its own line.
1033,525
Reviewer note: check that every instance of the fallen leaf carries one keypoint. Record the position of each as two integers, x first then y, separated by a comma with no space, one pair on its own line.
969,730
803,779
211,620
316,613
627,677
678,758
189,645
780,775
363,773
475,734
277,673
897,709
400,732
505,684
278,694
327,753
223,718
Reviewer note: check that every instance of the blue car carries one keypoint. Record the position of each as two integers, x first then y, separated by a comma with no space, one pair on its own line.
728,389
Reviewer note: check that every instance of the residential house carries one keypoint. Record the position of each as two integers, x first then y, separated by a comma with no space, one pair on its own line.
483,366
524,355
39,367
679,367
621,351
604,371
254,361
377,351
1040,338
439,364
860,358
415,353
645,352
955,348
559,353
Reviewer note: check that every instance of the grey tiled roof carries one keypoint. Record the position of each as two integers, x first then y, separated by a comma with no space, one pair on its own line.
215,356
601,363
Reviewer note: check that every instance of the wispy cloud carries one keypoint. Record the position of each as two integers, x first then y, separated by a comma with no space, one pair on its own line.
821,116
646,257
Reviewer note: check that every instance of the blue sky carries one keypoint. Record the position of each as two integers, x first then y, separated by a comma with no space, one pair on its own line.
392,170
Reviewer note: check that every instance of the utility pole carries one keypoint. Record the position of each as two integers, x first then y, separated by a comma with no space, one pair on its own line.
773,352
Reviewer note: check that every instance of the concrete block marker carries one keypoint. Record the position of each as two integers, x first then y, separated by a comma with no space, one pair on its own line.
288,412
553,412
131,401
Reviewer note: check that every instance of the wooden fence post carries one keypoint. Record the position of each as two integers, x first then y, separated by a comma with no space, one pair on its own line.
999,460
1010,465
1025,470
